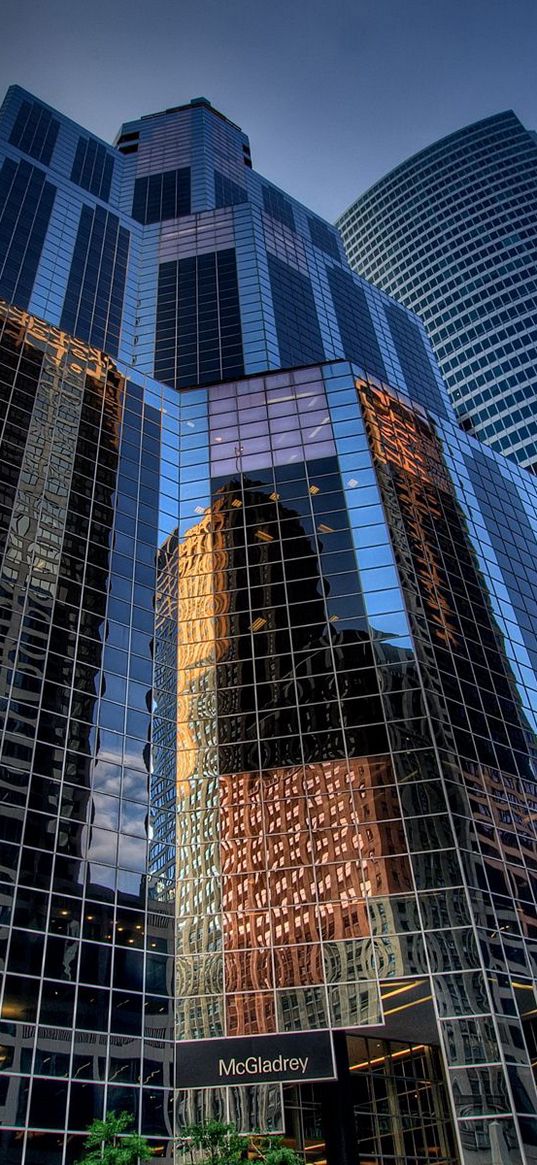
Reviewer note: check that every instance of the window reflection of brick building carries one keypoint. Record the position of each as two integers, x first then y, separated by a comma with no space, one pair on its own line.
304,849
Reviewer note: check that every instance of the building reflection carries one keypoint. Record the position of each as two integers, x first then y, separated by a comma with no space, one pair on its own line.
278,862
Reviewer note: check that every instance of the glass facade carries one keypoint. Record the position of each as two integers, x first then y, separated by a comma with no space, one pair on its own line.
88,982
94,296
172,253
451,234
269,691
27,200
93,167
198,331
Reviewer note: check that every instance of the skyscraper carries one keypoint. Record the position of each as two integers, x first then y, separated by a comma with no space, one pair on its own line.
269,678
452,233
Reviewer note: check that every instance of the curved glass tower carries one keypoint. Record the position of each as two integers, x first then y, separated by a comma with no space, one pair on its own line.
452,234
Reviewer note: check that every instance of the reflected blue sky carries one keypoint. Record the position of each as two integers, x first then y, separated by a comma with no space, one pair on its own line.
332,95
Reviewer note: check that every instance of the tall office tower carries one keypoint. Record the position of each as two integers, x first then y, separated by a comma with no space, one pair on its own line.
269,679
452,233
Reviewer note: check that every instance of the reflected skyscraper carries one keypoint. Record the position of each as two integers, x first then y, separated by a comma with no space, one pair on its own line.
269,678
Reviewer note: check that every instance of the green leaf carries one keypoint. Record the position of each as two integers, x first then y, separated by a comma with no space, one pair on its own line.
215,1143
108,1144
220,1144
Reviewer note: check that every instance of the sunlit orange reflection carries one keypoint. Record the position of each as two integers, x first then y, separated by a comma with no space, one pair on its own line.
303,849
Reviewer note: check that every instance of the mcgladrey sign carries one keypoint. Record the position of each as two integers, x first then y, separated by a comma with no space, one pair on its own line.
256,1060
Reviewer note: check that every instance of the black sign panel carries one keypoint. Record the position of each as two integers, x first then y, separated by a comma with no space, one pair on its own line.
294,1056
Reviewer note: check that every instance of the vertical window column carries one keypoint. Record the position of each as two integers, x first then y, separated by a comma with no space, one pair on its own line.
356,328
198,332
297,323
93,304
35,131
26,202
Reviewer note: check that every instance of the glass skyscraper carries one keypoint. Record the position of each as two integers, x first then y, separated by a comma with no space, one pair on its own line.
269,678
452,233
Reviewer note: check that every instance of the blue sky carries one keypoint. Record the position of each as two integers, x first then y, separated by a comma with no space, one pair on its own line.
332,93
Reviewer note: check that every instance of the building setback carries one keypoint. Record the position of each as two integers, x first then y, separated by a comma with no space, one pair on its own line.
452,234
268,678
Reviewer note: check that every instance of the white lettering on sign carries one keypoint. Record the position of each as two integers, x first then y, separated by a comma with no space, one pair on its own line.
258,1066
